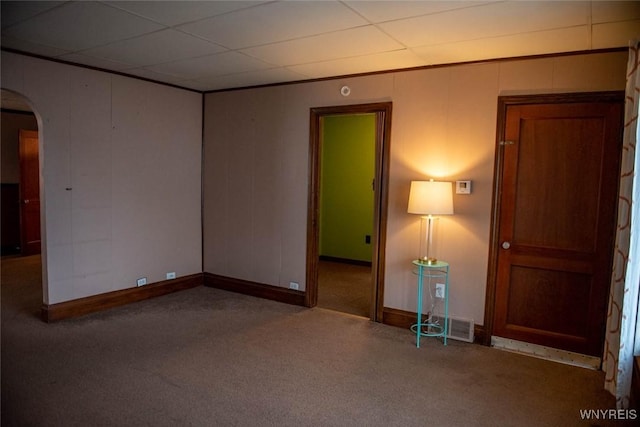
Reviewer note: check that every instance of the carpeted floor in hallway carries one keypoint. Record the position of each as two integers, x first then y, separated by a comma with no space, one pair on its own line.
344,287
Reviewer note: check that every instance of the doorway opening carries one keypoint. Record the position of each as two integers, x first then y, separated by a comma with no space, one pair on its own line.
347,171
347,226
22,263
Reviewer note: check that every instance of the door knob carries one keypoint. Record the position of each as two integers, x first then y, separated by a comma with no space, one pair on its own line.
506,245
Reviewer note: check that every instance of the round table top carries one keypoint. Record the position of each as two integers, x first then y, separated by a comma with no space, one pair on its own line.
434,264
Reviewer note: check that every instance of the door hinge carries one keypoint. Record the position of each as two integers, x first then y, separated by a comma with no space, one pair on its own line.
507,142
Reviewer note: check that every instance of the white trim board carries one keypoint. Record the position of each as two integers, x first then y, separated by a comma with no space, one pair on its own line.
547,353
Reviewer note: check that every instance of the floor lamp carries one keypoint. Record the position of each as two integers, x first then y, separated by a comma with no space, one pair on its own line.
429,198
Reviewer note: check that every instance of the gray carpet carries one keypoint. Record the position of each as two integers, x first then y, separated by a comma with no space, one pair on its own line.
344,287
206,357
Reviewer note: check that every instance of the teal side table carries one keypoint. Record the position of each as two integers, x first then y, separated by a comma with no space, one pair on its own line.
432,273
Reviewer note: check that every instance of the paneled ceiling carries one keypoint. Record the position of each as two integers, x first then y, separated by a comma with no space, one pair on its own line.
213,45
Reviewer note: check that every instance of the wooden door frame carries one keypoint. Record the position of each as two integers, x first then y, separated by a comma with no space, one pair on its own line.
503,103
382,111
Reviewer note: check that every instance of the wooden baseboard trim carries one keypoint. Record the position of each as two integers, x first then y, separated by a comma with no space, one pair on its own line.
399,318
345,260
94,303
255,289
479,335
404,319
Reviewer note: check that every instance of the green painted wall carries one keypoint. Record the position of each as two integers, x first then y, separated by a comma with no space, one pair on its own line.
346,193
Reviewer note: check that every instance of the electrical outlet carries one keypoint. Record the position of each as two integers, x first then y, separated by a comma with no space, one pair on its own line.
439,290
171,275
294,285
141,281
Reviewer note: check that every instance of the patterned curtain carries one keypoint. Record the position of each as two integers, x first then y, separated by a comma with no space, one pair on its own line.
622,325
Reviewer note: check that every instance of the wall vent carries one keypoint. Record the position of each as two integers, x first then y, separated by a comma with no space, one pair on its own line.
459,328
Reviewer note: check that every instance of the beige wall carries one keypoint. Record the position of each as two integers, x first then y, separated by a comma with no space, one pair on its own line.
130,151
443,126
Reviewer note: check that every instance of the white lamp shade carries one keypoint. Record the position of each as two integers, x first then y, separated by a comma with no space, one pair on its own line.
430,198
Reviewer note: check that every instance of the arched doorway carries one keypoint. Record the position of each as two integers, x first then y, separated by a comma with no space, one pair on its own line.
23,281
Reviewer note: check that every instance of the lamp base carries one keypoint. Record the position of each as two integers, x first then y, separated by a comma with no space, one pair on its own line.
429,260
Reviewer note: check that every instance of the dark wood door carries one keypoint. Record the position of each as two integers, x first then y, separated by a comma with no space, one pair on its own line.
29,192
557,204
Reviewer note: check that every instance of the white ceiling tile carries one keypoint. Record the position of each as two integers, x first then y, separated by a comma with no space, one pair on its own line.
340,44
275,22
81,25
25,46
152,75
253,78
179,12
612,11
615,34
382,11
12,12
292,40
78,58
362,64
212,65
485,21
162,46
193,84
553,41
